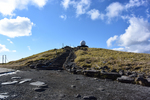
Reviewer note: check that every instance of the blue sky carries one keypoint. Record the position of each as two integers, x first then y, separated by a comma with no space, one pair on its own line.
29,27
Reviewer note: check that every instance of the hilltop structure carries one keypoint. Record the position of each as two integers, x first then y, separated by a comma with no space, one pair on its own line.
83,44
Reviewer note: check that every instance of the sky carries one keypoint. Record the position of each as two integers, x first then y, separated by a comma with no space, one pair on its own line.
29,27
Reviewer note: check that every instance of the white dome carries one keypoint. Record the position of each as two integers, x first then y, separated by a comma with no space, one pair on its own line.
82,43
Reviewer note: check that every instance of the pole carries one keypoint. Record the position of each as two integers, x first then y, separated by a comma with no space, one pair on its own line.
5,58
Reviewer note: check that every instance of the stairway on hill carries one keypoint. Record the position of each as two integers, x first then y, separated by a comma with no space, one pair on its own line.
59,61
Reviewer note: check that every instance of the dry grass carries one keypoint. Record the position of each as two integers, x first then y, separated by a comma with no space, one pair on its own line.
47,55
97,57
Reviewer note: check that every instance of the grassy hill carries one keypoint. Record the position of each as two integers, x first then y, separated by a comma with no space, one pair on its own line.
47,55
96,58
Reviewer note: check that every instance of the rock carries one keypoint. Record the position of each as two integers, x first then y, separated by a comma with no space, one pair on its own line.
101,89
92,73
121,72
142,81
133,75
39,89
110,75
113,70
32,66
43,86
40,65
38,83
16,78
148,79
79,71
3,96
105,67
9,83
78,96
73,86
128,73
141,75
137,68
125,79
24,80
89,98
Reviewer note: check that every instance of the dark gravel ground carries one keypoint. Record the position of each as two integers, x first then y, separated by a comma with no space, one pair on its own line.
59,87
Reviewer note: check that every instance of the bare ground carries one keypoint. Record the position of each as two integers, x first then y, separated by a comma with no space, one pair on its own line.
59,87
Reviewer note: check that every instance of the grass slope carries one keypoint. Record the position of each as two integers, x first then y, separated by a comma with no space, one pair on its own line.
47,55
97,57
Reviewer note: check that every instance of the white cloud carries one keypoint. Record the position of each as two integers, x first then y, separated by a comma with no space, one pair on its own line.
29,47
3,48
10,41
21,26
136,37
110,40
95,14
7,7
80,6
114,9
65,3
135,3
63,17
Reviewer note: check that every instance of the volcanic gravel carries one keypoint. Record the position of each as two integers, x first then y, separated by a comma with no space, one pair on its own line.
63,85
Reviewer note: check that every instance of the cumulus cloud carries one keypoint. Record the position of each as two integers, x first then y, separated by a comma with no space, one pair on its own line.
114,9
7,7
65,3
136,37
95,14
135,3
21,26
110,40
63,17
80,6
10,41
3,48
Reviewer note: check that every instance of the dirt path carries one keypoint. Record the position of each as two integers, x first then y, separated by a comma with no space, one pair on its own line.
66,86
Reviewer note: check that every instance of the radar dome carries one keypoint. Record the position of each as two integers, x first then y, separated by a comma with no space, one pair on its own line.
82,43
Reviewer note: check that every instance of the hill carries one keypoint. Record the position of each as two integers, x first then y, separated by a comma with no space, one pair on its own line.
94,58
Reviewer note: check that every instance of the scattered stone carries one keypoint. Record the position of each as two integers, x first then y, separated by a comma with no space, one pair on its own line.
92,73
43,86
78,96
38,83
105,67
79,71
3,96
110,75
77,79
113,70
39,89
128,73
9,83
24,80
137,68
133,75
125,79
101,89
16,78
89,98
121,72
73,86
142,81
